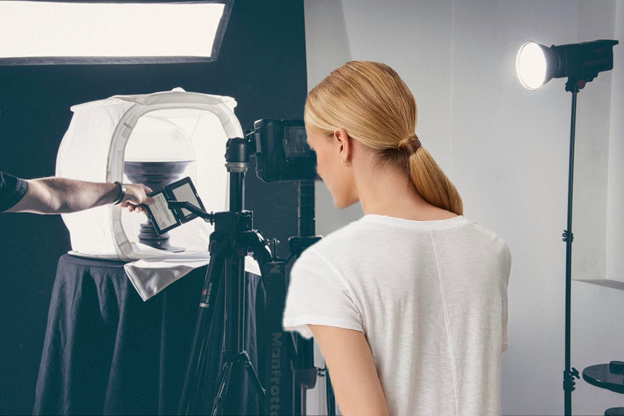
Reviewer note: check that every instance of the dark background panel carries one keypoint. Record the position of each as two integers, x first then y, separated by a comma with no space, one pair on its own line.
261,64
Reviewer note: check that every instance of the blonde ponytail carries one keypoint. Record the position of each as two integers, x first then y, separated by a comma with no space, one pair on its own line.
432,184
373,104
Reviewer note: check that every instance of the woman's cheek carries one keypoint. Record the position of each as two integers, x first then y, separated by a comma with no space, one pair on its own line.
319,165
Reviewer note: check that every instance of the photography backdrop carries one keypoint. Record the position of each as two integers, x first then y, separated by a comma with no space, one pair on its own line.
506,150
261,64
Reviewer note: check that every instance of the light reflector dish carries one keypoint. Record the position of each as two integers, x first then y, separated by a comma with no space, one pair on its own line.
531,66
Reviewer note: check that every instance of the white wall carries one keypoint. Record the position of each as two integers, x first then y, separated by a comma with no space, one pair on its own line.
615,213
506,149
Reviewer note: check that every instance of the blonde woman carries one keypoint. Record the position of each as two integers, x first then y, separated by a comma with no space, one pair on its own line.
409,303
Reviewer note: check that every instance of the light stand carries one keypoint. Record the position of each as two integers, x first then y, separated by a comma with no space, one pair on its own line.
580,63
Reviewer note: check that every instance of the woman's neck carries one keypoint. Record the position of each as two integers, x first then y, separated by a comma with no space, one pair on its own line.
391,192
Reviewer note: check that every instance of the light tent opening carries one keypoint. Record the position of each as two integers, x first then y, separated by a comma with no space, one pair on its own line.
165,126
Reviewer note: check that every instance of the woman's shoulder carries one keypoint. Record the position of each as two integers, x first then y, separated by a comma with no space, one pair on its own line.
350,233
335,245
368,232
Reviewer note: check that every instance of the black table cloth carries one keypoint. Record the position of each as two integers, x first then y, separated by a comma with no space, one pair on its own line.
106,351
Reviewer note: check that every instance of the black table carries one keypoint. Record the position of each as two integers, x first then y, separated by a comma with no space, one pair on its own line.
108,352
600,376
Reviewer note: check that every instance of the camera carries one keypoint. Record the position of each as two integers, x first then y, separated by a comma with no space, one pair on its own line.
281,151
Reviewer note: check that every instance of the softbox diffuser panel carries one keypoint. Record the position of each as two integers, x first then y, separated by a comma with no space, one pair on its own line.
49,32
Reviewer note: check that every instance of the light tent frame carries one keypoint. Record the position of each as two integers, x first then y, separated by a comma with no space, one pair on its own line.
139,106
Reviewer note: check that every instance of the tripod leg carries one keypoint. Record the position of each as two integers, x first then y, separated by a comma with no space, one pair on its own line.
234,352
244,357
226,375
194,384
222,392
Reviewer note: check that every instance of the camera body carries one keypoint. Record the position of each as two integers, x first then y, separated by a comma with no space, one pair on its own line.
281,151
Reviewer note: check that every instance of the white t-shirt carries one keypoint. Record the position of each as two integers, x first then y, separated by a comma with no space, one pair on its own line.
431,299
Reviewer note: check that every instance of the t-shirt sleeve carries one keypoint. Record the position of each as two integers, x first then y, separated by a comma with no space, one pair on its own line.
12,190
318,295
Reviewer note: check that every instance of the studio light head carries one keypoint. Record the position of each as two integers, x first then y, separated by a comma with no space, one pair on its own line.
537,64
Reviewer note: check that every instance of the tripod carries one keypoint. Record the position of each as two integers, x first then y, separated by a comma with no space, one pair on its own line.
231,241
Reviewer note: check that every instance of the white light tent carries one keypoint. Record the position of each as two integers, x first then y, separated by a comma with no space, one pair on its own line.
93,149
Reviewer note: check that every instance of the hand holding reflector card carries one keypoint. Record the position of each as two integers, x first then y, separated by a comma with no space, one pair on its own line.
164,218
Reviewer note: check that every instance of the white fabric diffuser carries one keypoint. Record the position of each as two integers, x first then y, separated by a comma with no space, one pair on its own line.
161,127
165,126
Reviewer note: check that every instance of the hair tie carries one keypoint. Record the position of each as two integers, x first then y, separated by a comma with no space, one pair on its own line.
410,144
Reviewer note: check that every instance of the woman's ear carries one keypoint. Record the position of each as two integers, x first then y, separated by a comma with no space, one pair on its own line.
343,141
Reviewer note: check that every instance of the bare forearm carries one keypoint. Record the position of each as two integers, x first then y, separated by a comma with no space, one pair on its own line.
61,195
67,195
